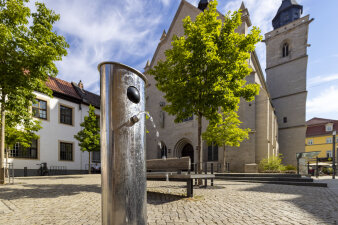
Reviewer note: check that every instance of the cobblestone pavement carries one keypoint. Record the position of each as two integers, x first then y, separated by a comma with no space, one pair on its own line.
75,199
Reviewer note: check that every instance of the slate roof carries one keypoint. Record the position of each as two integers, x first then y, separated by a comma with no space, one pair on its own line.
287,4
316,127
71,91
88,97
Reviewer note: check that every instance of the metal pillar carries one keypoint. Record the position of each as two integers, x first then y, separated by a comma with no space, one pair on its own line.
317,169
334,155
123,178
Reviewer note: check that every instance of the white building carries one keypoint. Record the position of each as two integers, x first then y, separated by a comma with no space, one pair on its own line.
60,117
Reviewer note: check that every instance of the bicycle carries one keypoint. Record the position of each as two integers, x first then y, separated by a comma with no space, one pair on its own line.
43,170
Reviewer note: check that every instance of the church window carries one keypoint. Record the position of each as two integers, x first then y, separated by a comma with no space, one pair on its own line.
285,50
285,119
188,118
213,152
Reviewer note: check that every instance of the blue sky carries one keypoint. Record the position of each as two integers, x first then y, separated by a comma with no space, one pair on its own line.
128,31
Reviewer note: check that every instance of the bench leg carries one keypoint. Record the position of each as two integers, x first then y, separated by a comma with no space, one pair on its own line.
190,188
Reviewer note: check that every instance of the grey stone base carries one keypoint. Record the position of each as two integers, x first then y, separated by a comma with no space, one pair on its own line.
31,172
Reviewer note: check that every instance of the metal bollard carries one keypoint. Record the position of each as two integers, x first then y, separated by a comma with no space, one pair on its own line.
25,172
317,169
123,178
206,172
212,172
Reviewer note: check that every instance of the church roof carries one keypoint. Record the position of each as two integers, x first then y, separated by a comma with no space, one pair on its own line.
286,4
287,13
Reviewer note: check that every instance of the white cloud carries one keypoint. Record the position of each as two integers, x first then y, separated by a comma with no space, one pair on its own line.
324,105
105,31
315,81
128,31
261,14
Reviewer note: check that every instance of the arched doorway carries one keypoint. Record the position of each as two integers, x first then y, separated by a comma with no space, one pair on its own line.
188,150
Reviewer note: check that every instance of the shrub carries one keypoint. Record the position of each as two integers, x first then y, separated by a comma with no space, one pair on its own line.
272,164
289,167
326,170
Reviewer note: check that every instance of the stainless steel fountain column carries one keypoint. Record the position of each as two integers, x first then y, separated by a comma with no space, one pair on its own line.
123,177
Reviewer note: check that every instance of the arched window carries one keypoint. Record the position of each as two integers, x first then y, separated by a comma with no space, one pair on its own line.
163,149
285,50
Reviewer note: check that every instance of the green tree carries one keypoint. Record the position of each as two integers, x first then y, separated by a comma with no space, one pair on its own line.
28,49
205,69
23,134
89,136
226,132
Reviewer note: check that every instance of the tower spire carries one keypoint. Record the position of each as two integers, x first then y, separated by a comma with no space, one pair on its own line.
289,11
203,4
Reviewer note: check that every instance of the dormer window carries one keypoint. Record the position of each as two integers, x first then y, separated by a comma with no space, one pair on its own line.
329,127
285,50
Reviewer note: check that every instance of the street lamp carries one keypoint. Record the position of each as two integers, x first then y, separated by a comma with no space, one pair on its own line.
334,155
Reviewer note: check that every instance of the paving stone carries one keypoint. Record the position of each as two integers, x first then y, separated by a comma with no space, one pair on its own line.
76,199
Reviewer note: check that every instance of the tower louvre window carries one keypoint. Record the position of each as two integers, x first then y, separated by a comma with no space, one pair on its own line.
285,50
285,119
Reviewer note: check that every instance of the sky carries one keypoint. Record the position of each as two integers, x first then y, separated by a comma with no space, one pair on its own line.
128,32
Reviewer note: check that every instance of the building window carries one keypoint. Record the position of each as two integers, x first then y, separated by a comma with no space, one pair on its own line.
96,156
310,142
285,119
213,152
285,50
25,153
66,151
40,109
329,154
329,140
66,115
188,118
329,127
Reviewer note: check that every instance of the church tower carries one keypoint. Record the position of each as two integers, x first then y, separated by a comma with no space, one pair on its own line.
286,66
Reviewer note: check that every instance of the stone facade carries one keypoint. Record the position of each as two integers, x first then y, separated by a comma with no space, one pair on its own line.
180,139
286,80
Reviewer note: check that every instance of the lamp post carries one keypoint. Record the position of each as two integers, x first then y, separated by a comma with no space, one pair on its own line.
334,155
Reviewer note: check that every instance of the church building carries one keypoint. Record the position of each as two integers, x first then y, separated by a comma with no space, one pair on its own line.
277,115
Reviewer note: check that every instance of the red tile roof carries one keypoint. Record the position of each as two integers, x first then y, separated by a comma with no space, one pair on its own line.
316,127
316,121
61,86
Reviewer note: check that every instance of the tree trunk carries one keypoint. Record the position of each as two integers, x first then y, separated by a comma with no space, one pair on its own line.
2,146
89,167
199,148
6,171
224,159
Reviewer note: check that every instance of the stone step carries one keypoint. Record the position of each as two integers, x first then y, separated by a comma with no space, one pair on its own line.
288,179
310,184
258,175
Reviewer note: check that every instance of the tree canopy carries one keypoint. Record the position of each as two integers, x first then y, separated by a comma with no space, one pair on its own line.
89,136
29,48
205,69
226,131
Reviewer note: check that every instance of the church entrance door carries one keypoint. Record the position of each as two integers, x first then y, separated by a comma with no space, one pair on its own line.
188,150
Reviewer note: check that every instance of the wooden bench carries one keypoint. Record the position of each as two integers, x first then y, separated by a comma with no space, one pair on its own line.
174,169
